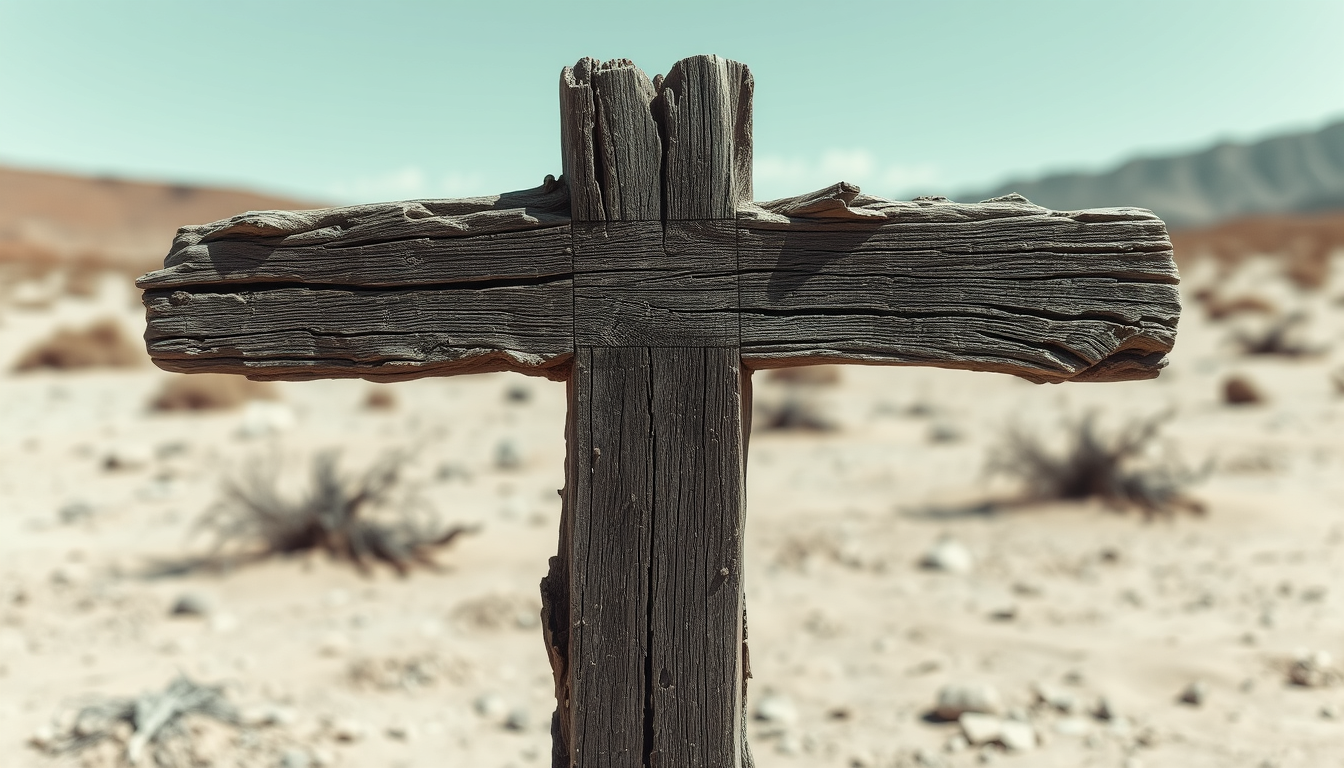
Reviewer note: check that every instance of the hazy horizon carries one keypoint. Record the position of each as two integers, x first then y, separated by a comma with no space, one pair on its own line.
343,101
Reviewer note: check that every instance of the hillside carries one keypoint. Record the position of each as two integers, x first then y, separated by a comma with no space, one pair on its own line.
55,218
1292,173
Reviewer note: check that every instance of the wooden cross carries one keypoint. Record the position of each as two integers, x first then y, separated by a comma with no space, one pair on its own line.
648,281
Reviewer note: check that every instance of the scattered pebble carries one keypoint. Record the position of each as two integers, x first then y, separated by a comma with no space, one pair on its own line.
980,729
1017,736
75,512
776,708
1194,694
1312,670
296,757
1055,697
127,456
348,730
518,719
507,456
190,604
489,705
956,700
949,556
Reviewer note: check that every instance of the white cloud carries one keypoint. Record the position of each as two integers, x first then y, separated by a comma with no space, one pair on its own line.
409,183
778,176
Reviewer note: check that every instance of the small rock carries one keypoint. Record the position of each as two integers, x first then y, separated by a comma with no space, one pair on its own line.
1104,709
398,732
1312,670
1239,390
949,556
75,512
957,743
1194,694
1072,726
1017,737
945,432
1330,711
927,759
348,730
489,705
980,729
956,700
271,715
190,604
517,720
518,393
777,709
1057,698
507,456
262,419
296,757
42,738
127,456
333,644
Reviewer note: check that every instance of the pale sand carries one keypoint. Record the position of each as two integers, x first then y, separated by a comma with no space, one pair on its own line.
843,622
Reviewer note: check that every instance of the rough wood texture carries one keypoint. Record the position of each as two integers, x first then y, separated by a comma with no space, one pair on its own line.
704,107
353,332
628,149
999,286
638,285
578,123
655,643
696,630
611,474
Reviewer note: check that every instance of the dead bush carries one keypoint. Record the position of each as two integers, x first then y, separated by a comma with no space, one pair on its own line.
1239,390
208,392
99,345
1281,337
363,519
152,725
1095,466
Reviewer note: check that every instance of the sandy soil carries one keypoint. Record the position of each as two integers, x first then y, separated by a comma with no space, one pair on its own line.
851,640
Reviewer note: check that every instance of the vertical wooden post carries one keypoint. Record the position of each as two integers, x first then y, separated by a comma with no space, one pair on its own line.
643,605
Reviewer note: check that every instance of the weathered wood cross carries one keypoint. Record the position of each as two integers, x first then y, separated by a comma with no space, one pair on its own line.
647,279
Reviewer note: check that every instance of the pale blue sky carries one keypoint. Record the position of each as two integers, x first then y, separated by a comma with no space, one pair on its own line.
350,101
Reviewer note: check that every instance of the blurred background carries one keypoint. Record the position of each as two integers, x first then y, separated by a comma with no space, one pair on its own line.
918,547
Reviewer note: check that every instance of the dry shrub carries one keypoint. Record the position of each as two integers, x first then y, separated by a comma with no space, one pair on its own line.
1239,390
153,725
380,398
1281,338
807,375
1095,466
362,519
99,345
208,392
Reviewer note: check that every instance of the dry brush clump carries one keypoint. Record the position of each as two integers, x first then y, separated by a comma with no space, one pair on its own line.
153,725
208,392
1282,338
1096,466
102,344
361,518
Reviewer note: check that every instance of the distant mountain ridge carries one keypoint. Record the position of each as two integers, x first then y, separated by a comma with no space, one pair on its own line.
1292,173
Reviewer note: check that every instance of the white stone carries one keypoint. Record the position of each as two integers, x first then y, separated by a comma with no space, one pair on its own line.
1072,726
1017,737
263,419
489,705
777,709
954,700
949,556
980,729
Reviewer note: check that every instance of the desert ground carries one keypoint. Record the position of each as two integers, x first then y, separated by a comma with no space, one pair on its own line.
886,564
